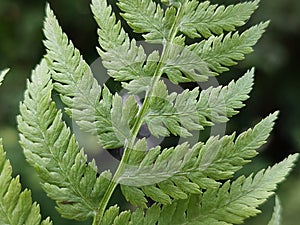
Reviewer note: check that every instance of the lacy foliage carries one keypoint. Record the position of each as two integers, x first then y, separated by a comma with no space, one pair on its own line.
188,184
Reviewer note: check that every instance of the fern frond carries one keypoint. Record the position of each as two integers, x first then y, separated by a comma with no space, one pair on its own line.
238,201
177,172
179,113
145,16
219,52
78,88
183,65
123,59
188,184
276,216
2,75
204,19
220,103
16,207
231,203
75,82
50,148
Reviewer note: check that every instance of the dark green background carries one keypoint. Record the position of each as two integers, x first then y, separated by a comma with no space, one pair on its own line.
277,84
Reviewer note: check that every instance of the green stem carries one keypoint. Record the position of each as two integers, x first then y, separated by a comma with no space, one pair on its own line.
139,121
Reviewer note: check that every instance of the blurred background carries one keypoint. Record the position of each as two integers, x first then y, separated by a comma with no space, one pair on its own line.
277,85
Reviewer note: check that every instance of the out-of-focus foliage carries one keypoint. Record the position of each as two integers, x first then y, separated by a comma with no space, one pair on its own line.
276,59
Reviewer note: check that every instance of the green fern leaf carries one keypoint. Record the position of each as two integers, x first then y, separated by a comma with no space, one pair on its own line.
179,113
219,52
123,59
188,184
220,103
276,216
75,83
231,203
238,201
181,61
146,16
205,19
78,88
16,207
49,147
111,34
183,170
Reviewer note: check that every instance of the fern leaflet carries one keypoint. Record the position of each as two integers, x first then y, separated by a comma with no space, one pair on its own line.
183,65
231,203
53,152
204,19
123,58
79,89
219,52
146,16
176,172
189,184
189,110
16,207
